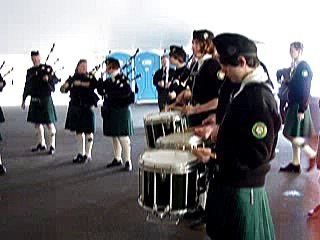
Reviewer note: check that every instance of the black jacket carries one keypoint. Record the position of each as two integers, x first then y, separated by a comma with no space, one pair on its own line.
35,86
83,96
247,137
116,91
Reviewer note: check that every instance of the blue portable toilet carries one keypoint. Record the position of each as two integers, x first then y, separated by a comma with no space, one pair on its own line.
146,64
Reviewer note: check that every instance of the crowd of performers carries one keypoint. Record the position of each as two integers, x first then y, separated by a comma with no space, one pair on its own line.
222,86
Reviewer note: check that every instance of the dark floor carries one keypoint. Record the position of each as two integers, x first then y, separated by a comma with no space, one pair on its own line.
45,197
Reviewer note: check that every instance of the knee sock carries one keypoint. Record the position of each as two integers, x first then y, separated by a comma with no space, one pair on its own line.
116,148
40,135
52,136
89,144
125,144
80,142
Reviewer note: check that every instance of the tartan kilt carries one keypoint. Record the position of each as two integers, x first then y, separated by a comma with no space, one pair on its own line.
2,119
42,110
117,121
295,128
231,214
80,119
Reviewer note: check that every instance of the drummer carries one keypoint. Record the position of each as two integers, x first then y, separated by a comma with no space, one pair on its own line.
202,98
237,190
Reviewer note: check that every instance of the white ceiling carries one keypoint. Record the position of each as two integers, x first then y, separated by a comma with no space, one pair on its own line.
101,25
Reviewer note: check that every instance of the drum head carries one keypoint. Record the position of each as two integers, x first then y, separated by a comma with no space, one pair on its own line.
161,117
168,161
182,141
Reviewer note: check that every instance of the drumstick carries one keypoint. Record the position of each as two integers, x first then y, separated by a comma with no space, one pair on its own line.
175,107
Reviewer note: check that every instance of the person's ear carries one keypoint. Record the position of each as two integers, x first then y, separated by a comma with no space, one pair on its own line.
241,61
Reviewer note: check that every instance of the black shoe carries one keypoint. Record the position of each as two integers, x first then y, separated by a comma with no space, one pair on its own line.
195,215
199,223
128,166
114,163
291,168
84,159
3,170
77,158
51,151
39,148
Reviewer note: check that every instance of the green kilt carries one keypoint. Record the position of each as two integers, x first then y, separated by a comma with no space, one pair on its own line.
117,121
232,215
80,119
41,110
295,128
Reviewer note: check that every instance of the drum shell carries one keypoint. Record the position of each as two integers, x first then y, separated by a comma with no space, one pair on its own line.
167,189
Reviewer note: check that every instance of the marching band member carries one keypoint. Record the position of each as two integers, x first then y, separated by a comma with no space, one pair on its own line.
181,73
2,85
161,80
116,112
203,95
236,193
80,116
40,82
298,126
205,77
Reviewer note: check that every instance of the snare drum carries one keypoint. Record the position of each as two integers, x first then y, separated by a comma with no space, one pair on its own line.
180,141
161,124
168,181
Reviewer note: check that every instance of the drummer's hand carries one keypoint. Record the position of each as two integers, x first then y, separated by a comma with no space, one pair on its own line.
172,95
189,109
300,116
184,96
202,154
209,120
214,132
204,131
161,84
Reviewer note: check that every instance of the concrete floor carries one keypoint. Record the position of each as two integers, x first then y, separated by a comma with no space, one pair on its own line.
45,197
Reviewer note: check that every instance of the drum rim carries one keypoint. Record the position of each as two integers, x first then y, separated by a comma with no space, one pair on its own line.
177,169
175,116
177,212
161,145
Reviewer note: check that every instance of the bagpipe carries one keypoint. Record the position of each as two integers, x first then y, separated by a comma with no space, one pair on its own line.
91,97
2,81
129,72
39,72
120,96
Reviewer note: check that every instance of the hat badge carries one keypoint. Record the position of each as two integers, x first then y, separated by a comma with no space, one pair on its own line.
205,35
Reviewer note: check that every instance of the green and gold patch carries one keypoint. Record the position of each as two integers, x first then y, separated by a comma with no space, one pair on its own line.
259,130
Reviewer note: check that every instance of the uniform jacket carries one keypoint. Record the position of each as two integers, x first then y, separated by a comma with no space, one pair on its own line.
299,86
35,86
248,133
83,96
116,91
